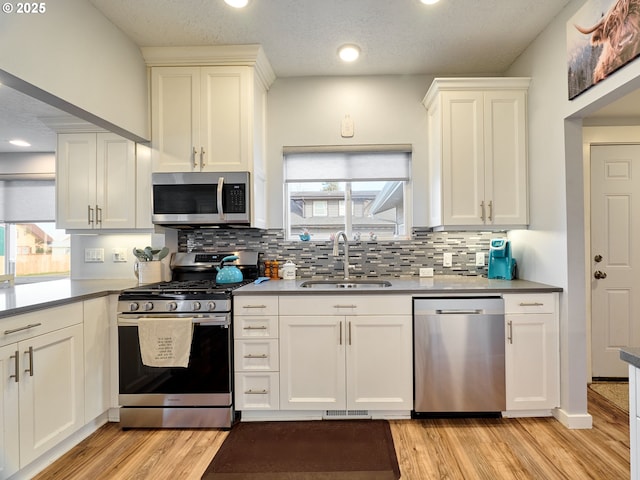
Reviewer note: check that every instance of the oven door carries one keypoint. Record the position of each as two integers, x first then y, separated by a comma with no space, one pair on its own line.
205,382
201,198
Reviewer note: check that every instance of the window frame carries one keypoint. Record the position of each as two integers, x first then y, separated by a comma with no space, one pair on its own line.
348,200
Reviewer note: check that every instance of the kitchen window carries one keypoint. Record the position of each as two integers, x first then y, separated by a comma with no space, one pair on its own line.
31,248
362,190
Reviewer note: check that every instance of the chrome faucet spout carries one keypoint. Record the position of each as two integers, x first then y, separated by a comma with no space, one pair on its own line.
336,241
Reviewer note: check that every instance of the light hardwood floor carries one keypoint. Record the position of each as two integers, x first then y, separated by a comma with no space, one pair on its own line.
539,448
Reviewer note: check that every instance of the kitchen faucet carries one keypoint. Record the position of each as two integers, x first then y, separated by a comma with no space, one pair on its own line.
336,241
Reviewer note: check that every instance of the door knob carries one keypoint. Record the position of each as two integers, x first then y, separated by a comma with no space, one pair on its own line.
599,275
597,258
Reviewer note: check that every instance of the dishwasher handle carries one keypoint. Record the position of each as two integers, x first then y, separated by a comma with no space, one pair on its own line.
456,311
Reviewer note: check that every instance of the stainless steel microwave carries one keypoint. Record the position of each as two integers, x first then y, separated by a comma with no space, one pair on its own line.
201,199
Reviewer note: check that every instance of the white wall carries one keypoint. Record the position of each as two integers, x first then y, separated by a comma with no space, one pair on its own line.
110,269
309,111
553,250
74,53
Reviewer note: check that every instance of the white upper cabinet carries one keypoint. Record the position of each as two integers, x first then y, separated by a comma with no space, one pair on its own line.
96,181
208,110
201,118
477,138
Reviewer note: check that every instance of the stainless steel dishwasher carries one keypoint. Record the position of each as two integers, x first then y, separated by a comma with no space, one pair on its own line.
458,356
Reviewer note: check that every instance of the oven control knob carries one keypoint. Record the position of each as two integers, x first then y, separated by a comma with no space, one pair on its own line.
172,306
211,306
196,306
133,306
148,306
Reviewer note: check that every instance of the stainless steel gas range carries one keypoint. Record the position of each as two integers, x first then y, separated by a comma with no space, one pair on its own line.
201,394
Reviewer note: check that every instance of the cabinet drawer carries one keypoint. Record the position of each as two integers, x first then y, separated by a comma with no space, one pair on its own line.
530,303
257,391
253,355
255,305
252,326
345,305
28,325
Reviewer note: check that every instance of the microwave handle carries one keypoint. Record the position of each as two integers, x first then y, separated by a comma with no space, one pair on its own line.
220,186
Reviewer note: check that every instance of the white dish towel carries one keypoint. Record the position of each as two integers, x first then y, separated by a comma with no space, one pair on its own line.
165,342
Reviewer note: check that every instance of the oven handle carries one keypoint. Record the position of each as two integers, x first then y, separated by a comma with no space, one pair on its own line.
202,320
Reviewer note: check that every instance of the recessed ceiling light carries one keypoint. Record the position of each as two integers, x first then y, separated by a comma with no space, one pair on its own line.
237,3
19,143
349,53
429,2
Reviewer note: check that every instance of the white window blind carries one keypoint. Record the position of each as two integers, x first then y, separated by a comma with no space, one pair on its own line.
347,166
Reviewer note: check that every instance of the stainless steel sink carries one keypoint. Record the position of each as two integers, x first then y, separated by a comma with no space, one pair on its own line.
359,283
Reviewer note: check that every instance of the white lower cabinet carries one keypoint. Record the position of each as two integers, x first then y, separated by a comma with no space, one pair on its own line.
256,353
345,353
9,422
43,383
97,357
532,352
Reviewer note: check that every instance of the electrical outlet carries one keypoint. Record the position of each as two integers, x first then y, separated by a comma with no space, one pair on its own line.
447,259
426,272
479,259
119,255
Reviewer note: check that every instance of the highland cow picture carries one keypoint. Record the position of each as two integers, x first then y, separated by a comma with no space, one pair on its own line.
602,36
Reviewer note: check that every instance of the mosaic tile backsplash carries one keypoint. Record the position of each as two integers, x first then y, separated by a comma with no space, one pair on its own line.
315,260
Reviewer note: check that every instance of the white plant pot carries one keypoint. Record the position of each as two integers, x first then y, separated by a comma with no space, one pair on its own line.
148,272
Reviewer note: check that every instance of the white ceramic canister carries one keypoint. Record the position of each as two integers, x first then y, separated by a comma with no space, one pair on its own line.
289,270
148,272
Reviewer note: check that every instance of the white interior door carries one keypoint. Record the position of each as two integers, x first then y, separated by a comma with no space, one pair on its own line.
615,274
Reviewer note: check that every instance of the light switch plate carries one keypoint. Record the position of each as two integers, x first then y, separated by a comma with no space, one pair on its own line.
93,255
447,259
479,259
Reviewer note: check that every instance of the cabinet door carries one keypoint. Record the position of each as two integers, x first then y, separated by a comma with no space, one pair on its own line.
225,119
379,363
52,394
532,361
505,157
463,157
97,358
115,182
9,436
312,364
175,119
76,181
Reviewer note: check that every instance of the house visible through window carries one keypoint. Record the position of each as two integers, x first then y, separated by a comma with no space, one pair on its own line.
34,252
359,189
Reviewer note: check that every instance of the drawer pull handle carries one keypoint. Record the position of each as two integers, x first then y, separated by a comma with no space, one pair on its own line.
345,306
531,304
26,327
254,306
510,334
255,328
17,363
256,392
264,355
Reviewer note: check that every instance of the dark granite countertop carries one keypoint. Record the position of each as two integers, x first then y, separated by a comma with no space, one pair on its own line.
36,296
440,284
631,355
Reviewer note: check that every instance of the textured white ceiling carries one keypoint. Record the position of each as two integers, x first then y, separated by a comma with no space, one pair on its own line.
301,37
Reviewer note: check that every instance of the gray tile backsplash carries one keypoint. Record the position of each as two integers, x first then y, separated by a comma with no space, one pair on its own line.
395,258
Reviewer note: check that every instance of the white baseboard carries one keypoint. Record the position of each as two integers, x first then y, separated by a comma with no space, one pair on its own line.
573,420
